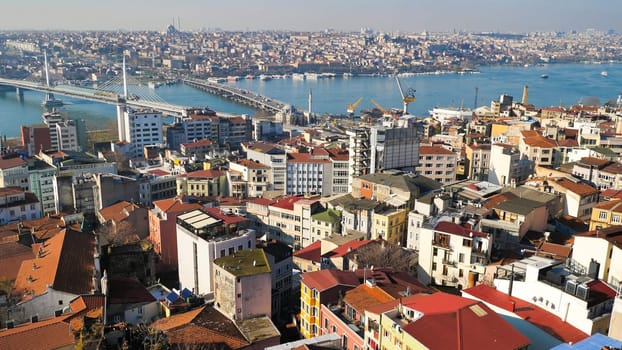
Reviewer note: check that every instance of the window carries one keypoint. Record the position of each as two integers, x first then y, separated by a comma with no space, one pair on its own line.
615,218
602,215
433,266
222,253
466,242
461,257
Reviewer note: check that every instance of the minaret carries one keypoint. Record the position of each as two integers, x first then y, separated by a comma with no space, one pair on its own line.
310,106
525,95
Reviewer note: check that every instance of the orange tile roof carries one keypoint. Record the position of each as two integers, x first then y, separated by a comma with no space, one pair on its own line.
540,318
52,333
252,164
204,325
579,188
311,252
540,141
118,211
204,174
615,205
12,254
295,157
8,163
364,296
43,228
347,248
65,263
175,205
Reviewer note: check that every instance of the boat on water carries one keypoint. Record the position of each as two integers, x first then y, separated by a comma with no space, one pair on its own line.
50,102
265,77
250,77
298,76
604,73
544,76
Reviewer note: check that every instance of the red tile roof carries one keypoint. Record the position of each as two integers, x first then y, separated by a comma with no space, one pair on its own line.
227,219
612,234
261,201
118,211
123,290
434,150
158,172
312,252
12,254
540,318
8,163
304,158
579,188
52,333
205,142
540,141
326,279
453,322
65,263
347,248
450,227
286,202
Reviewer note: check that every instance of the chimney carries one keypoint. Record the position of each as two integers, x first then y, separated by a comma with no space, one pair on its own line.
525,95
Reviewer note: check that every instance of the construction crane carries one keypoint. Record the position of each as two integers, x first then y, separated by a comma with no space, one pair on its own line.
384,111
353,106
406,98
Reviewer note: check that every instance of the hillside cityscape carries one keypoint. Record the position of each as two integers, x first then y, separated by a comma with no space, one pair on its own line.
187,227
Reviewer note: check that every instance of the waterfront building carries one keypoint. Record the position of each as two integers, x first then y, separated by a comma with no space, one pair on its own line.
41,177
541,150
201,239
67,136
139,128
51,119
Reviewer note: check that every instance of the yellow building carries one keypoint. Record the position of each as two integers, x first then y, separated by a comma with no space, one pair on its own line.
321,288
390,224
202,183
606,214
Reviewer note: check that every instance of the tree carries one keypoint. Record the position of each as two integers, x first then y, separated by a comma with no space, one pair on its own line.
385,254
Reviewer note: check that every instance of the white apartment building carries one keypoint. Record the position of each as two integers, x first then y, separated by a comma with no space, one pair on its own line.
14,172
452,255
51,119
67,136
603,246
272,156
437,163
563,290
17,204
309,173
255,175
506,165
140,128
201,240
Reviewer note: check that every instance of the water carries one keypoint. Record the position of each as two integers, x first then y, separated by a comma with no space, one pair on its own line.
567,84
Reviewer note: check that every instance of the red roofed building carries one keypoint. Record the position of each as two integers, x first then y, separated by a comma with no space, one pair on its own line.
52,333
321,288
444,321
309,258
125,218
162,228
309,173
537,148
13,172
290,220
252,178
198,149
63,268
545,321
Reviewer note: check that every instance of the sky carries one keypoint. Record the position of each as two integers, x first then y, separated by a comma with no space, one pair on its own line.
314,15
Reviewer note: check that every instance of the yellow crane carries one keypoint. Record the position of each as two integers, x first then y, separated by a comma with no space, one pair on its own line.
351,107
384,111
406,98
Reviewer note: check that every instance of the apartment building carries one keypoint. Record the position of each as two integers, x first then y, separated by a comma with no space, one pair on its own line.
272,156
321,288
309,173
256,177
542,151
139,128
202,183
452,254
437,163
477,161
507,167
200,240
244,286
18,205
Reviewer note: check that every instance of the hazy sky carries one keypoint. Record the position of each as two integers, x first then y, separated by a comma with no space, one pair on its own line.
384,15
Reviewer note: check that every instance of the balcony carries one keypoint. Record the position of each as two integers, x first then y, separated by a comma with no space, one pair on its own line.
441,244
449,262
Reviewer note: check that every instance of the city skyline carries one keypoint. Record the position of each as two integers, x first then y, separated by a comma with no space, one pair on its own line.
390,16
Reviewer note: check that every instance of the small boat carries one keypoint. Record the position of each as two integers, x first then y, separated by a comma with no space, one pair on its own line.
265,77
544,76
604,73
